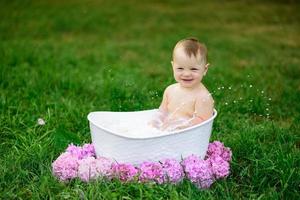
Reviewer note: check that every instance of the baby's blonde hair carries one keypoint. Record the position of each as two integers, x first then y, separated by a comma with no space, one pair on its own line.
193,47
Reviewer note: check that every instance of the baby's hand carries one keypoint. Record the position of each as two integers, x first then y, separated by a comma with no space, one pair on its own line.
154,123
158,119
168,124
175,124
164,126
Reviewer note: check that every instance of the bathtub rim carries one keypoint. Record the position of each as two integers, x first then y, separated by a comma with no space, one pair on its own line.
171,133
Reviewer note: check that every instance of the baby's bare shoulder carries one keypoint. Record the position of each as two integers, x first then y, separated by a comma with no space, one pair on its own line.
204,97
170,88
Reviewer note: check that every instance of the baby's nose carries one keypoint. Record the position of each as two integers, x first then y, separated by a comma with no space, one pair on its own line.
186,73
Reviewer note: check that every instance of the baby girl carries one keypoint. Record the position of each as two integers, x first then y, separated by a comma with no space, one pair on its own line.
187,102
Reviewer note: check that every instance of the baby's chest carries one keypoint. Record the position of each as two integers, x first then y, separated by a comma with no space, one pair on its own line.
182,105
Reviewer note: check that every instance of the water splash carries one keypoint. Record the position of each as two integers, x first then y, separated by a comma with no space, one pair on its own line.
245,97
170,122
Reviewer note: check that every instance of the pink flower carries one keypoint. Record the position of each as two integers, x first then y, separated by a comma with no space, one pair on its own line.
91,168
81,162
65,167
220,167
151,171
75,150
173,171
104,166
87,169
198,171
124,171
88,150
227,154
218,149
81,152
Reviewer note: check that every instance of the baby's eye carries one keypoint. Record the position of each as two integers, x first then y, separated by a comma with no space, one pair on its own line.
194,69
180,68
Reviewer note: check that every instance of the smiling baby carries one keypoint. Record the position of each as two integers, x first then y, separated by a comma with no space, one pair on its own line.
187,102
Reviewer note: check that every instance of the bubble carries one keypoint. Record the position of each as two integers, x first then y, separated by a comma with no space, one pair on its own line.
270,99
240,98
229,88
250,86
222,87
262,92
234,101
251,100
267,108
226,103
219,88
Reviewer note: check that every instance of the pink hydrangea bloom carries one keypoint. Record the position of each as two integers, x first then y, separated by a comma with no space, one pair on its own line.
87,169
75,150
151,171
91,168
81,152
104,166
217,148
198,171
124,171
65,167
81,162
88,150
173,171
219,167
227,154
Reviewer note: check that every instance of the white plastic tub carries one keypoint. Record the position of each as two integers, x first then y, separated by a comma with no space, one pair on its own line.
132,149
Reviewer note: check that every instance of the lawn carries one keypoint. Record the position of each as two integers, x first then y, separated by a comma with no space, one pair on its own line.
60,60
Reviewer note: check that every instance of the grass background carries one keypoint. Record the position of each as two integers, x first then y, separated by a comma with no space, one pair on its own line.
60,60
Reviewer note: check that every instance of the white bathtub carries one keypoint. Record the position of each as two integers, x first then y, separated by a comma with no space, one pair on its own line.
132,149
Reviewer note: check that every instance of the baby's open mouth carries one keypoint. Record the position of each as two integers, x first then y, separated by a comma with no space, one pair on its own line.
187,80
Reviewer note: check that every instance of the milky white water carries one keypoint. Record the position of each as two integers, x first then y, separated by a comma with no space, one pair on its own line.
138,126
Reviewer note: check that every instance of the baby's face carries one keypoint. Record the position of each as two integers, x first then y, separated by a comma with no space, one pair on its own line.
188,71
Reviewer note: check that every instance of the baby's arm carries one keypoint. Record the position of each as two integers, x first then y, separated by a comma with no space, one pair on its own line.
204,108
164,103
162,112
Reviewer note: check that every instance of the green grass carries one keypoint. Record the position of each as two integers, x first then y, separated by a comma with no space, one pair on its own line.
61,60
